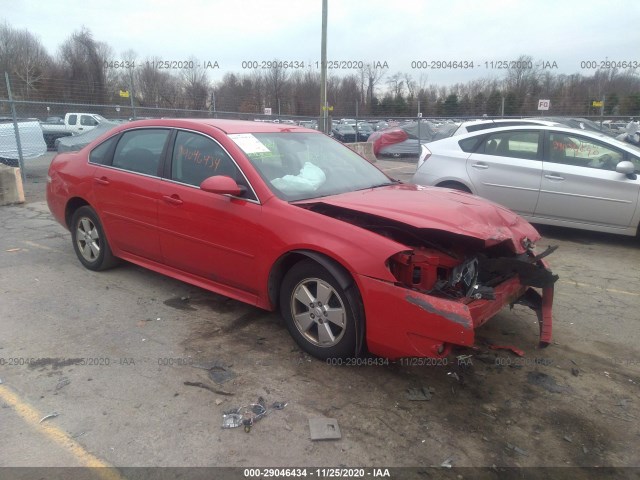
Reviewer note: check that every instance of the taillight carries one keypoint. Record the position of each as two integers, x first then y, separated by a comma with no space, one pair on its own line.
424,154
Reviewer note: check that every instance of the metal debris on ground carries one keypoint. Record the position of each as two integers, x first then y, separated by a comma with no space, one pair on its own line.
567,438
454,375
62,383
447,463
248,415
322,428
47,417
419,394
517,449
513,349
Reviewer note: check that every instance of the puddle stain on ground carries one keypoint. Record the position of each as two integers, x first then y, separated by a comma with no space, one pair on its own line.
180,303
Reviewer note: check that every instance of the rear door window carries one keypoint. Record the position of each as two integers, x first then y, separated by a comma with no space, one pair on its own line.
520,144
141,150
100,154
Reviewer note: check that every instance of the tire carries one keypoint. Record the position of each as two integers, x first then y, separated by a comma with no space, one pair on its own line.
89,241
328,329
455,186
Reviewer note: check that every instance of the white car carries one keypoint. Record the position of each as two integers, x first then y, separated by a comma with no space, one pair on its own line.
547,174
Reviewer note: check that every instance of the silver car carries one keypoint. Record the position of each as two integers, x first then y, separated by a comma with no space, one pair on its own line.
547,174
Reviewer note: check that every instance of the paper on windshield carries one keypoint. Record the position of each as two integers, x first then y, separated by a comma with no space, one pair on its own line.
248,143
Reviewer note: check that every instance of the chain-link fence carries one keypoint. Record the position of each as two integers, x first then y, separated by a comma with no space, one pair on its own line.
33,121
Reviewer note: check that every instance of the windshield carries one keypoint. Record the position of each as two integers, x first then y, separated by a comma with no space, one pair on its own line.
299,166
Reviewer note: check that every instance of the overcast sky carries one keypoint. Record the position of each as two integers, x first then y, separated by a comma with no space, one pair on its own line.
398,32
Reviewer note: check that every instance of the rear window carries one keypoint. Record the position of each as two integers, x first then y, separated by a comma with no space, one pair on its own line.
469,145
101,154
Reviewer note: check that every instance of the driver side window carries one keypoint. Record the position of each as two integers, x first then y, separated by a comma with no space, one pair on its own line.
196,157
581,152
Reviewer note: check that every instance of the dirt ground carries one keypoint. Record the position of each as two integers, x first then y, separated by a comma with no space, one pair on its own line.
110,353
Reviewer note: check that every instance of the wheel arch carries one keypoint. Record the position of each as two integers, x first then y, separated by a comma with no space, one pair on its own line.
72,205
282,265
345,279
453,184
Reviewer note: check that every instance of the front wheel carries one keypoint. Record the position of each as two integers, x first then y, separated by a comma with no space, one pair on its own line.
89,241
320,315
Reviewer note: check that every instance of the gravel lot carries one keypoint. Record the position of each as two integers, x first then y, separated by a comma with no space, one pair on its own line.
112,352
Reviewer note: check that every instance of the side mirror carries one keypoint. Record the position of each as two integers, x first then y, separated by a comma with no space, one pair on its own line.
221,185
625,167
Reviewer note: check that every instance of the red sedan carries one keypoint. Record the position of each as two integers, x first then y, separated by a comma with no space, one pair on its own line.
284,217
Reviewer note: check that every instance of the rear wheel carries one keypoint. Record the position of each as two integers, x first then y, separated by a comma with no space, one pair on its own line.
89,240
321,316
454,186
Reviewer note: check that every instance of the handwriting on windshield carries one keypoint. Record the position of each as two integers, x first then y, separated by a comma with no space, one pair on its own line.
199,158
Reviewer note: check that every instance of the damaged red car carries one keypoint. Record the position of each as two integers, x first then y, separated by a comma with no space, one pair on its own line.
284,217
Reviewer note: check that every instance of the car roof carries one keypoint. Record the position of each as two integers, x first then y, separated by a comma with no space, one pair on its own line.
555,128
226,126
533,121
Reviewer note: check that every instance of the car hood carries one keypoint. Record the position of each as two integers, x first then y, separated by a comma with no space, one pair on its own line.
436,208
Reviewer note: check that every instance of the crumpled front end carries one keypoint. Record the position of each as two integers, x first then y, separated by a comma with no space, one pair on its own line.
441,297
465,259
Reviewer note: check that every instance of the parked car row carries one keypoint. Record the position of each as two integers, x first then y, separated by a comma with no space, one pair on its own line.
72,124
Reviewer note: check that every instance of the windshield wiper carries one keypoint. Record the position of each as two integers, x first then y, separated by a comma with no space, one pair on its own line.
386,184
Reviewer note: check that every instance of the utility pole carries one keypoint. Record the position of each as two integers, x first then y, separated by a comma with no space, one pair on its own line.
323,70
131,93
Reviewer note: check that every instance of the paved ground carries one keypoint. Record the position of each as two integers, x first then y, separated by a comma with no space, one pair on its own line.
110,353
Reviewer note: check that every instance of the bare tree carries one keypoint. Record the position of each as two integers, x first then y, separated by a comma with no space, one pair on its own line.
276,82
22,55
82,64
196,85
371,75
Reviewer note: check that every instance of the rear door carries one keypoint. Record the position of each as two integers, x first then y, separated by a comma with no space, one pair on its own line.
580,184
127,191
507,168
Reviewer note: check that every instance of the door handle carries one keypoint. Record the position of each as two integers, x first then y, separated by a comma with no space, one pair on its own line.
173,199
481,166
101,181
80,128
554,177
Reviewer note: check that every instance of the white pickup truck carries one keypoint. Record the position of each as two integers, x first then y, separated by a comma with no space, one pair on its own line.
73,124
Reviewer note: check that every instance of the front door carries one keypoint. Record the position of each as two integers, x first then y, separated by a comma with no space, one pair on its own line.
213,236
580,184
